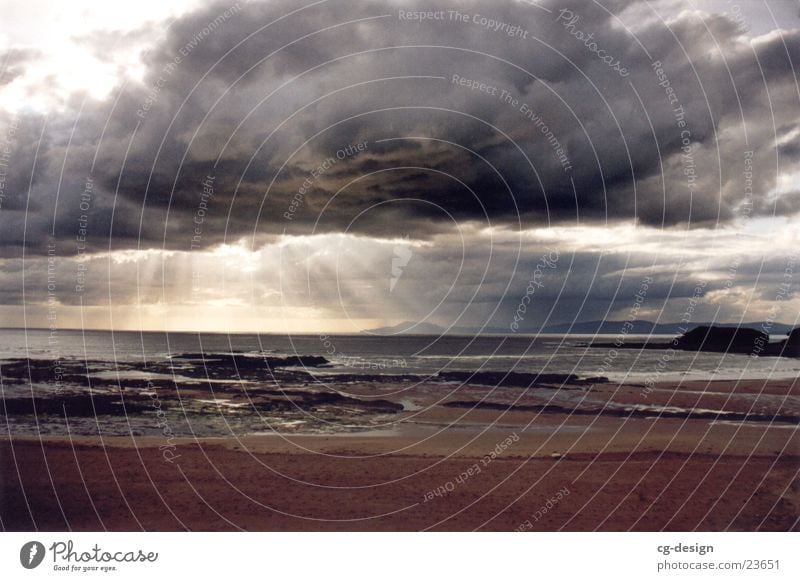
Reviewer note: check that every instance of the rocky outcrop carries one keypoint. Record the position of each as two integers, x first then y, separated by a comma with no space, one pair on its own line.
74,405
741,340
789,347
239,366
792,344
723,340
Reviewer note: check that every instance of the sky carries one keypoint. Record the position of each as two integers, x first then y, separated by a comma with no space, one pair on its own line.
336,165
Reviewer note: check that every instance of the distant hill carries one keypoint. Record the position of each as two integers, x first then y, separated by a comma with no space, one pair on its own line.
411,328
641,327
407,328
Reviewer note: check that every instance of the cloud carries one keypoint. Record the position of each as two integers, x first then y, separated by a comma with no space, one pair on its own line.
469,279
260,95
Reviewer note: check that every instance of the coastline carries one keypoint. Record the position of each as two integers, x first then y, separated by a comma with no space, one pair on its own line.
621,473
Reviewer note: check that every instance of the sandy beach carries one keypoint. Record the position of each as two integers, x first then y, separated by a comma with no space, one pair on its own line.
494,464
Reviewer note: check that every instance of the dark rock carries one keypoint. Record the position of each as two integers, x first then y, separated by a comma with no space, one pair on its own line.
792,344
723,340
73,405
249,361
233,366
36,370
341,378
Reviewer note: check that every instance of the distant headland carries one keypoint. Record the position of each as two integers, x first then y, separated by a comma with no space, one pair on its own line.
636,327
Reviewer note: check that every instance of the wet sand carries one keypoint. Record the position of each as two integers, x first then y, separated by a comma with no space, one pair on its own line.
438,468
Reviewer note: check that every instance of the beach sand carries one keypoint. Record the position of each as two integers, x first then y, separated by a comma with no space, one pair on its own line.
440,468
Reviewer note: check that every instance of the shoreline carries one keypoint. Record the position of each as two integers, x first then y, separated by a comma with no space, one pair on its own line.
636,473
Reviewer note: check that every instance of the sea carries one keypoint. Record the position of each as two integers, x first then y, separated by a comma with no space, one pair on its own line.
68,383
412,354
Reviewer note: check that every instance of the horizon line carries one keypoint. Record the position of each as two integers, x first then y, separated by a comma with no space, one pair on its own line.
368,331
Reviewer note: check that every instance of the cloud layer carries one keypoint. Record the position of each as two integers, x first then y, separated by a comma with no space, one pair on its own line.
461,122
249,124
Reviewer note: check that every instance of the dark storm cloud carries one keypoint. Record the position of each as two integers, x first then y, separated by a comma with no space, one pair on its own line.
259,99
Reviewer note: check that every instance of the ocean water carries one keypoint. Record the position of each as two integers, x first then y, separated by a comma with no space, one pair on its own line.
135,383
409,354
